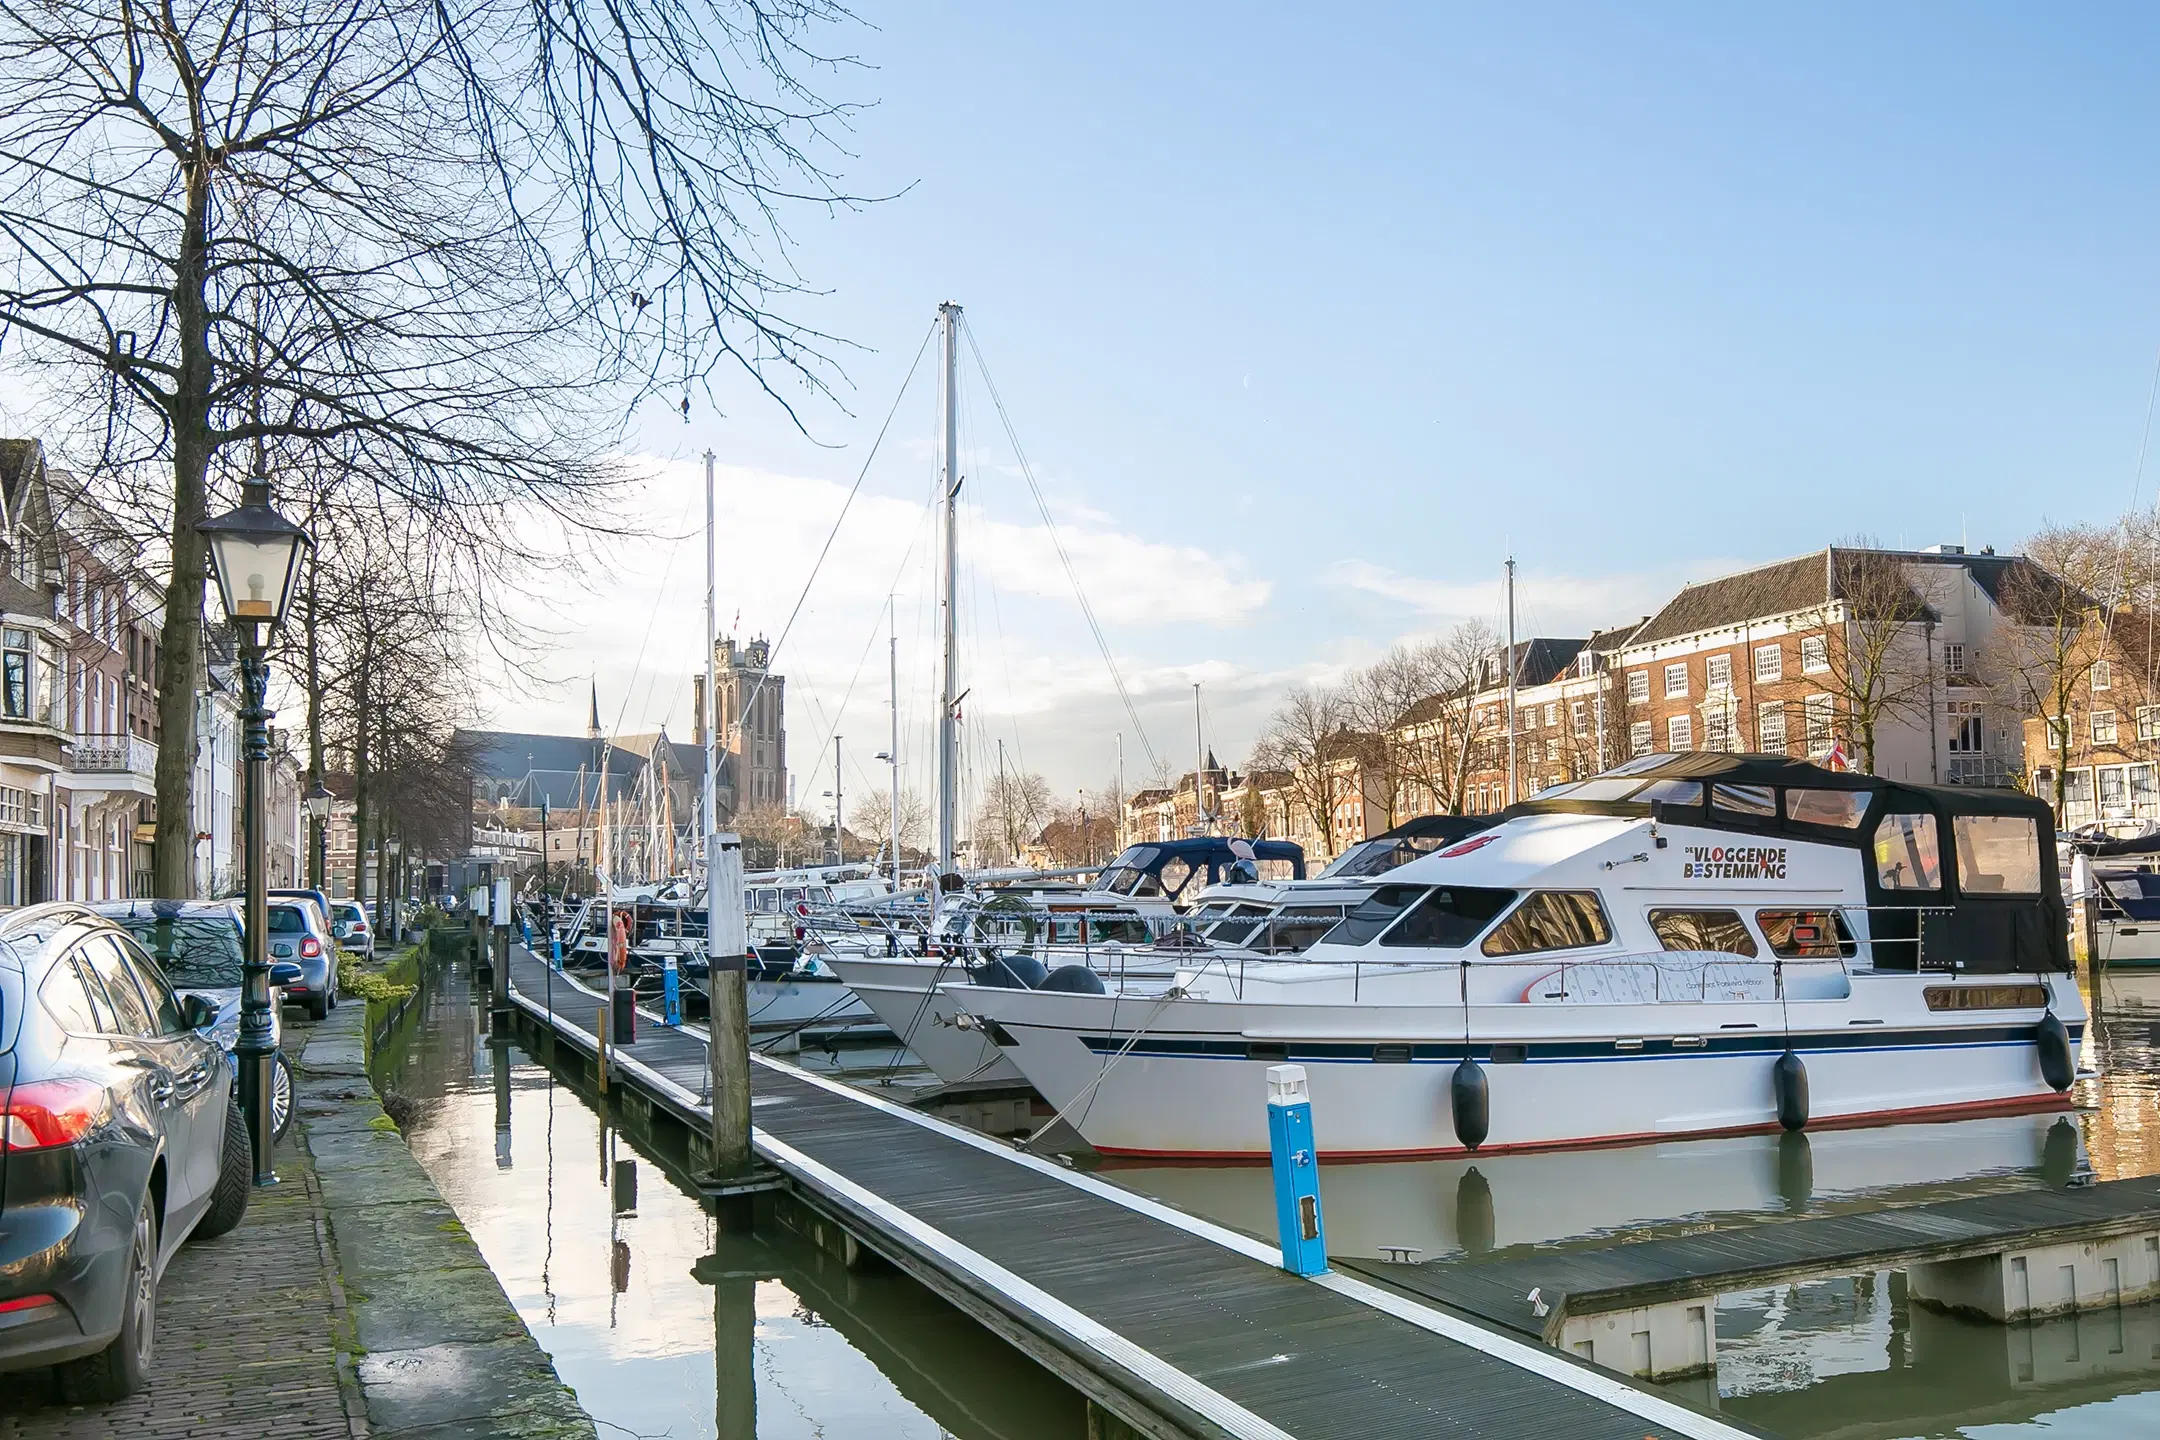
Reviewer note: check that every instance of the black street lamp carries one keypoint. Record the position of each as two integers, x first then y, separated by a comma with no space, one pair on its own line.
255,554
317,803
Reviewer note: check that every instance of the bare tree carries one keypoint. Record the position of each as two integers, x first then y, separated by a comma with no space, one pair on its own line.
1015,807
2038,662
1303,738
1876,642
447,245
871,819
1438,732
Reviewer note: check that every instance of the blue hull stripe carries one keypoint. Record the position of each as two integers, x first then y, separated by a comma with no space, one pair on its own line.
1726,1045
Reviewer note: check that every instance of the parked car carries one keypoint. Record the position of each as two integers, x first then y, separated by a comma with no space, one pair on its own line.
121,1140
199,946
350,924
298,934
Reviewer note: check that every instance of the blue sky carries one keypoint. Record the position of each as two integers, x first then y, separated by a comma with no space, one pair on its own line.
1306,315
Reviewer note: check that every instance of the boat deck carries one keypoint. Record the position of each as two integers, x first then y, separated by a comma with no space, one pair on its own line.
1175,1326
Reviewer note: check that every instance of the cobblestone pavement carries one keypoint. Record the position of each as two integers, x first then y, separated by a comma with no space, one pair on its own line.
248,1335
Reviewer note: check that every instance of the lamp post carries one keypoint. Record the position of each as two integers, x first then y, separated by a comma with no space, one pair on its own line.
255,555
317,804
395,887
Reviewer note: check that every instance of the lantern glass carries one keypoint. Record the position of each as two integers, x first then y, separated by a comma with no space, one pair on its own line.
255,553
317,802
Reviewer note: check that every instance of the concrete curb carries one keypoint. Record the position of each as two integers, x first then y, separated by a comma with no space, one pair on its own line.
441,1352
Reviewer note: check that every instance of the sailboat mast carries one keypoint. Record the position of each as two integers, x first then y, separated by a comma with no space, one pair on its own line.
948,758
1199,773
892,703
1512,667
708,818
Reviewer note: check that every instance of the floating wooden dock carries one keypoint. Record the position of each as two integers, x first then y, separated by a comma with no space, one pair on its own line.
2006,1256
1172,1325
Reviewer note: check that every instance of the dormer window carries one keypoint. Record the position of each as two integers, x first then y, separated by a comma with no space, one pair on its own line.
2100,679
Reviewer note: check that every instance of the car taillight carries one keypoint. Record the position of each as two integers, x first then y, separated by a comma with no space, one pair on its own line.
26,1302
45,1113
310,946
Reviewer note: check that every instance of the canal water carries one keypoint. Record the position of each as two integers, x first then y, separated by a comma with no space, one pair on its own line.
665,1328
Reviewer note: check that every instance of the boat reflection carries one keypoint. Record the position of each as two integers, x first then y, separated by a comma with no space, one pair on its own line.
662,1324
1851,1359
1444,1208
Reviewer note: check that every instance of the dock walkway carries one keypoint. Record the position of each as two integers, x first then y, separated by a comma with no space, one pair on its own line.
1176,1326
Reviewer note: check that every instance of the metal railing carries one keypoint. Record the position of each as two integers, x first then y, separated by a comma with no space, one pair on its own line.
99,754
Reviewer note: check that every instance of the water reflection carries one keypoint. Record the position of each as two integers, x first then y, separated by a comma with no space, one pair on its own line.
660,1323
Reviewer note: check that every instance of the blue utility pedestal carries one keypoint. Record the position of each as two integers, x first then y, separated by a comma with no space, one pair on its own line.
670,991
1297,1171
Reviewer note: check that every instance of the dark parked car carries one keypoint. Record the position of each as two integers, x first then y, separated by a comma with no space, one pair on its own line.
121,1139
197,943
299,935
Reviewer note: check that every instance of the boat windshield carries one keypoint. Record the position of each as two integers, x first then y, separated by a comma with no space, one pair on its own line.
1374,914
1377,857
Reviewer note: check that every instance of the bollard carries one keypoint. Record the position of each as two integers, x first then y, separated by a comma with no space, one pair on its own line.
670,993
1297,1171
624,1005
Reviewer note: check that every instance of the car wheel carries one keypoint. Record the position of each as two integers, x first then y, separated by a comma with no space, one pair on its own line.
235,1181
118,1370
318,1008
281,1093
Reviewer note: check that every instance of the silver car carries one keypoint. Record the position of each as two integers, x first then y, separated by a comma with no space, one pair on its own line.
297,934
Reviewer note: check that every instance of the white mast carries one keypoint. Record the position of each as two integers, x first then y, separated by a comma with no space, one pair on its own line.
948,757
1199,774
708,824
839,849
892,703
1511,669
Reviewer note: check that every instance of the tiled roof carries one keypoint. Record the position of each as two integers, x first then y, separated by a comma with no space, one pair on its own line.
1784,588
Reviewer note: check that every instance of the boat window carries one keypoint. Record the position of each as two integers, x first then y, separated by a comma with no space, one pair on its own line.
1605,789
1555,792
1670,792
1758,800
1135,857
1277,869
1641,763
1840,809
1125,929
792,894
1907,854
1997,854
1721,930
768,902
1551,920
1374,914
1449,917
1806,934
821,895
1175,871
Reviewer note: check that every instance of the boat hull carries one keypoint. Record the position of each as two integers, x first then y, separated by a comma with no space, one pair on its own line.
1557,1076
903,992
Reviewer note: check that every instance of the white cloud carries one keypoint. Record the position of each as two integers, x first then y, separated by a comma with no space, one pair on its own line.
1545,603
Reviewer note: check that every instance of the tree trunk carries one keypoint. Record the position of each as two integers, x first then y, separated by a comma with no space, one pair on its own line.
173,851
360,778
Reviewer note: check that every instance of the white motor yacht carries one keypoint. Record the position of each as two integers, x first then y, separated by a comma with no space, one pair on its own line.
1689,944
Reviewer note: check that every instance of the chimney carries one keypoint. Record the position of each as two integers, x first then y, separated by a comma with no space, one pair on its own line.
697,698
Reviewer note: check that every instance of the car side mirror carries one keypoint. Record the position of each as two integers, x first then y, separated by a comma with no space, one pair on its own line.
198,1012
284,972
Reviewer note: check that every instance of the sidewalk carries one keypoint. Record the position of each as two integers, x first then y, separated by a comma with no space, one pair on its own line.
252,1330
349,1303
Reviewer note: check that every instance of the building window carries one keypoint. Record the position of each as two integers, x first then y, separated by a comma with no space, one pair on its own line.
1814,654
1676,680
1717,672
1953,658
1638,687
2148,721
1769,662
15,674
1585,665
1770,728
1818,712
1579,717
2114,791
1680,733
2103,727
1717,727
2100,677
1552,713
1639,738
